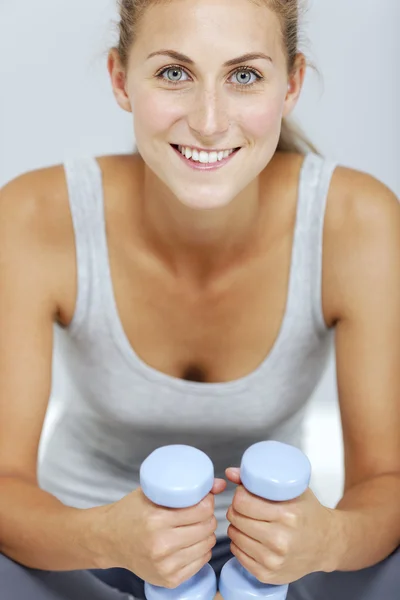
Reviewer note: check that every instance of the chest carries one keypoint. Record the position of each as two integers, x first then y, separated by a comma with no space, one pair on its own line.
211,333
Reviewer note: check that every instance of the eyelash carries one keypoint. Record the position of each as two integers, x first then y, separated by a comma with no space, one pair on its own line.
242,86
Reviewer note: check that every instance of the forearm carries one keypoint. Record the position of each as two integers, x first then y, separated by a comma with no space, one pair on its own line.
38,531
367,524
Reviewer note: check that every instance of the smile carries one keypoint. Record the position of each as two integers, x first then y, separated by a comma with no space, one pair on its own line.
201,159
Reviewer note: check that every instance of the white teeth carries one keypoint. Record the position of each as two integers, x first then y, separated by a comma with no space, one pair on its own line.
204,157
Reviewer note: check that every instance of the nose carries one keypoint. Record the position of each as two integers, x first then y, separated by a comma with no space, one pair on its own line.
208,116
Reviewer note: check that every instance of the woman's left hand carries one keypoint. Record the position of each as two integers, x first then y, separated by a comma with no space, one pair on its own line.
280,542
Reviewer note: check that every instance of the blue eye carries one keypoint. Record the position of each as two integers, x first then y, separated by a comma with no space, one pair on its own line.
243,77
172,75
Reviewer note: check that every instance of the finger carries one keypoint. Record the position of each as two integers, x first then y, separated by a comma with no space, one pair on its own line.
233,474
203,511
184,537
191,569
257,530
254,507
251,547
251,565
219,486
192,553
189,556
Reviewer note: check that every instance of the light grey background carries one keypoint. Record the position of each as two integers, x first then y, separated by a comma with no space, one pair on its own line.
56,101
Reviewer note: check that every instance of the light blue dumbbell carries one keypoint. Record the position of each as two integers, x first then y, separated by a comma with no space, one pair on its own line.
179,476
273,471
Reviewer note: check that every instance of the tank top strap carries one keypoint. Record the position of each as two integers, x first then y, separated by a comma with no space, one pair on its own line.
315,179
85,193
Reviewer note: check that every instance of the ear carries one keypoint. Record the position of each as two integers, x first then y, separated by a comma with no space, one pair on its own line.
295,84
118,79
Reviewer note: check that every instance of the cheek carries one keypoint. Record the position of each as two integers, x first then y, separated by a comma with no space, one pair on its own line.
259,121
153,112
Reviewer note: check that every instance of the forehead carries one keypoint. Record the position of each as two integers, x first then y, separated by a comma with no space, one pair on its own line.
211,23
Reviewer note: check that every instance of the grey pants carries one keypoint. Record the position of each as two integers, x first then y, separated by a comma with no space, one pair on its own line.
381,582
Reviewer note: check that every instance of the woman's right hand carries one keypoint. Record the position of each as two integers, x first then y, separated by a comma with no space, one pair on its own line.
163,546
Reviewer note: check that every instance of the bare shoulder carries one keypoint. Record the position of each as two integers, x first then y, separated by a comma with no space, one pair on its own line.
36,235
357,199
36,201
361,237
362,212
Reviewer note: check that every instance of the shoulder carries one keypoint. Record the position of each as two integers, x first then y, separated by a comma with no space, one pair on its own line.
362,235
34,199
35,228
359,200
361,211
36,203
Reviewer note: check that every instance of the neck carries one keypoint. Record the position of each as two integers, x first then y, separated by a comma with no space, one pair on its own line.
198,244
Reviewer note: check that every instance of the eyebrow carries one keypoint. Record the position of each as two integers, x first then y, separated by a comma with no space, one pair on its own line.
229,63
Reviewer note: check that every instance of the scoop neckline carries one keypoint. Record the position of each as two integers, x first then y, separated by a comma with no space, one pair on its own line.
133,360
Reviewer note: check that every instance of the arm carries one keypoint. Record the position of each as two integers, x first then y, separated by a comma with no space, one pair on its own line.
35,528
37,261
280,542
362,258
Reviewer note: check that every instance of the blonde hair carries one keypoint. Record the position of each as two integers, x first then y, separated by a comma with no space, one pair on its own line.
292,138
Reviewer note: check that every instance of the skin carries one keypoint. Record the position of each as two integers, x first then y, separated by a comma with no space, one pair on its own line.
206,110
188,250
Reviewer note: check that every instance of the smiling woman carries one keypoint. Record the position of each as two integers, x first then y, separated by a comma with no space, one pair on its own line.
197,287
263,88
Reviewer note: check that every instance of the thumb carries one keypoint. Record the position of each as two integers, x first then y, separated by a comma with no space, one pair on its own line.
233,474
219,486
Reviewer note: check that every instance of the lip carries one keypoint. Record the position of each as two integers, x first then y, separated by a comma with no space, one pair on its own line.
207,166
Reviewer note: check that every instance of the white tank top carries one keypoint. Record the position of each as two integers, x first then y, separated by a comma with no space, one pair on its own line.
117,409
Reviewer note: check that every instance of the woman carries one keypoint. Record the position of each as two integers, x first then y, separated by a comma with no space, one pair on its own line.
197,284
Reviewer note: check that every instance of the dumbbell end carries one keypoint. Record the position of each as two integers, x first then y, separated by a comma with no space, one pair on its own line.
202,586
275,471
177,476
236,583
